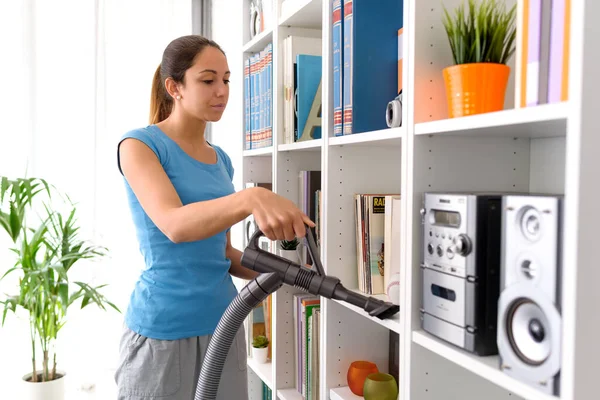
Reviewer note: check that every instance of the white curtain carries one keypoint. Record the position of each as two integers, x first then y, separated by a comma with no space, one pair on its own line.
76,76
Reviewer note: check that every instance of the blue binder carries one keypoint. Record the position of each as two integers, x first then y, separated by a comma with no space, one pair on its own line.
370,56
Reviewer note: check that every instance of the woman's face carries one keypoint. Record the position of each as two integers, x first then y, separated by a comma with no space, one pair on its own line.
206,89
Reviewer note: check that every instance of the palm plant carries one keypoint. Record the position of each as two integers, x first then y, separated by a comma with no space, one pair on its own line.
45,254
486,33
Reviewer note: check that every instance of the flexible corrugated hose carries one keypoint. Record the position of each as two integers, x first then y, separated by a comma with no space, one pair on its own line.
231,321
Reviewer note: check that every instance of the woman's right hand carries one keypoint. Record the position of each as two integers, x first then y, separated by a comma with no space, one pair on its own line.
277,217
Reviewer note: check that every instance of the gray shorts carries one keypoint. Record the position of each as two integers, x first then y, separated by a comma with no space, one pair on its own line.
168,369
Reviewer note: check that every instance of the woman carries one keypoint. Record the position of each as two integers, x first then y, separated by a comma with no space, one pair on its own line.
183,204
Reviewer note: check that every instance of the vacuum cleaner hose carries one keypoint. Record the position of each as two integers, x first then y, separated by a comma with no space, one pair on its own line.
231,321
274,272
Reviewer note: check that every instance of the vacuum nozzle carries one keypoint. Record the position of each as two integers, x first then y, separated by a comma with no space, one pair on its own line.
312,281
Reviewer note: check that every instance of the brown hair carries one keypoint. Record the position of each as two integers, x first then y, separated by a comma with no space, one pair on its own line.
177,58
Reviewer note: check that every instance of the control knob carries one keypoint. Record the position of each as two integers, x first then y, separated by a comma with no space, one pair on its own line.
461,244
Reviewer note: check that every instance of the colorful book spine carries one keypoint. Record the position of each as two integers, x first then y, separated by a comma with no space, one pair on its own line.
543,52
247,116
533,51
270,94
337,67
564,93
546,10
254,99
261,77
347,70
558,73
523,51
400,58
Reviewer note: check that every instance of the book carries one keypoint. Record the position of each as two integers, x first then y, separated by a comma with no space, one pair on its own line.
308,97
370,62
337,67
247,114
294,45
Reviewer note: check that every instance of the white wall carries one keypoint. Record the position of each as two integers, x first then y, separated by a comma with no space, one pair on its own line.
81,111
75,94
227,133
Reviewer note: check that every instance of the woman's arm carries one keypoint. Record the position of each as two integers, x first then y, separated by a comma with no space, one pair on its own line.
237,269
276,216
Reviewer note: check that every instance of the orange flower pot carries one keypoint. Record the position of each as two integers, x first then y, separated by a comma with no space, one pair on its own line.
475,88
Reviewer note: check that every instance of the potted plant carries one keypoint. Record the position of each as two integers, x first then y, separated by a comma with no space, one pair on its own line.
46,247
260,349
482,41
288,250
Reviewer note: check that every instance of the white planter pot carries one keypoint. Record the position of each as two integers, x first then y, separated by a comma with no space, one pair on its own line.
291,255
260,354
53,390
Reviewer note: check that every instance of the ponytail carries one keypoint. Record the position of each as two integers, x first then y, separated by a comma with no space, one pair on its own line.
160,103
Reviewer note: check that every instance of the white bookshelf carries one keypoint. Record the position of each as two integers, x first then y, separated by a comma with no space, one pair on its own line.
263,371
548,149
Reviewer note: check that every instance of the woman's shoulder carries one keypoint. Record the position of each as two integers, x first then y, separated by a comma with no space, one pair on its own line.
146,133
149,137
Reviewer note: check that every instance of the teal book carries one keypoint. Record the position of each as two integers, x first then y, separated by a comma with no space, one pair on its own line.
308,96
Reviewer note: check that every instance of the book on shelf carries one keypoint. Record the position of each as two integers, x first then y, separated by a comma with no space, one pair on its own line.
542,55
297,66
306,312
336,35
308,97
309,202
365,63
267,393
391,257
372,221
258,99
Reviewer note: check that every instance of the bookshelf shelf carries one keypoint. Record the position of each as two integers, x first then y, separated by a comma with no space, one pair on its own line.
263,371
302,14
547,149
486,367
265,151
289,394
343,393
382,137
258,42
549,120
392,323
309,145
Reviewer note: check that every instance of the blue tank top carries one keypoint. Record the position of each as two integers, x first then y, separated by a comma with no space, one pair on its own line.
184,288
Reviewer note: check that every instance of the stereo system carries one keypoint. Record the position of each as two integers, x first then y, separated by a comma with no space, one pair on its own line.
491,279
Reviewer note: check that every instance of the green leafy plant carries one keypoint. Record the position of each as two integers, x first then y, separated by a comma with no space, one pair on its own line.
486,32
289,244
46,246
260,342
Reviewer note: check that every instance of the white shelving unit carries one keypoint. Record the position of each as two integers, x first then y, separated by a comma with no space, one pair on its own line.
548,149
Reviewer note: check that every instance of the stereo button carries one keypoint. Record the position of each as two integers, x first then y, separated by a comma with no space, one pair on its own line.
440,251
450,252
430,248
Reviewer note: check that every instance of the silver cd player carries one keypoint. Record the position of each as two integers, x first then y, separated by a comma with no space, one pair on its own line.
461,268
